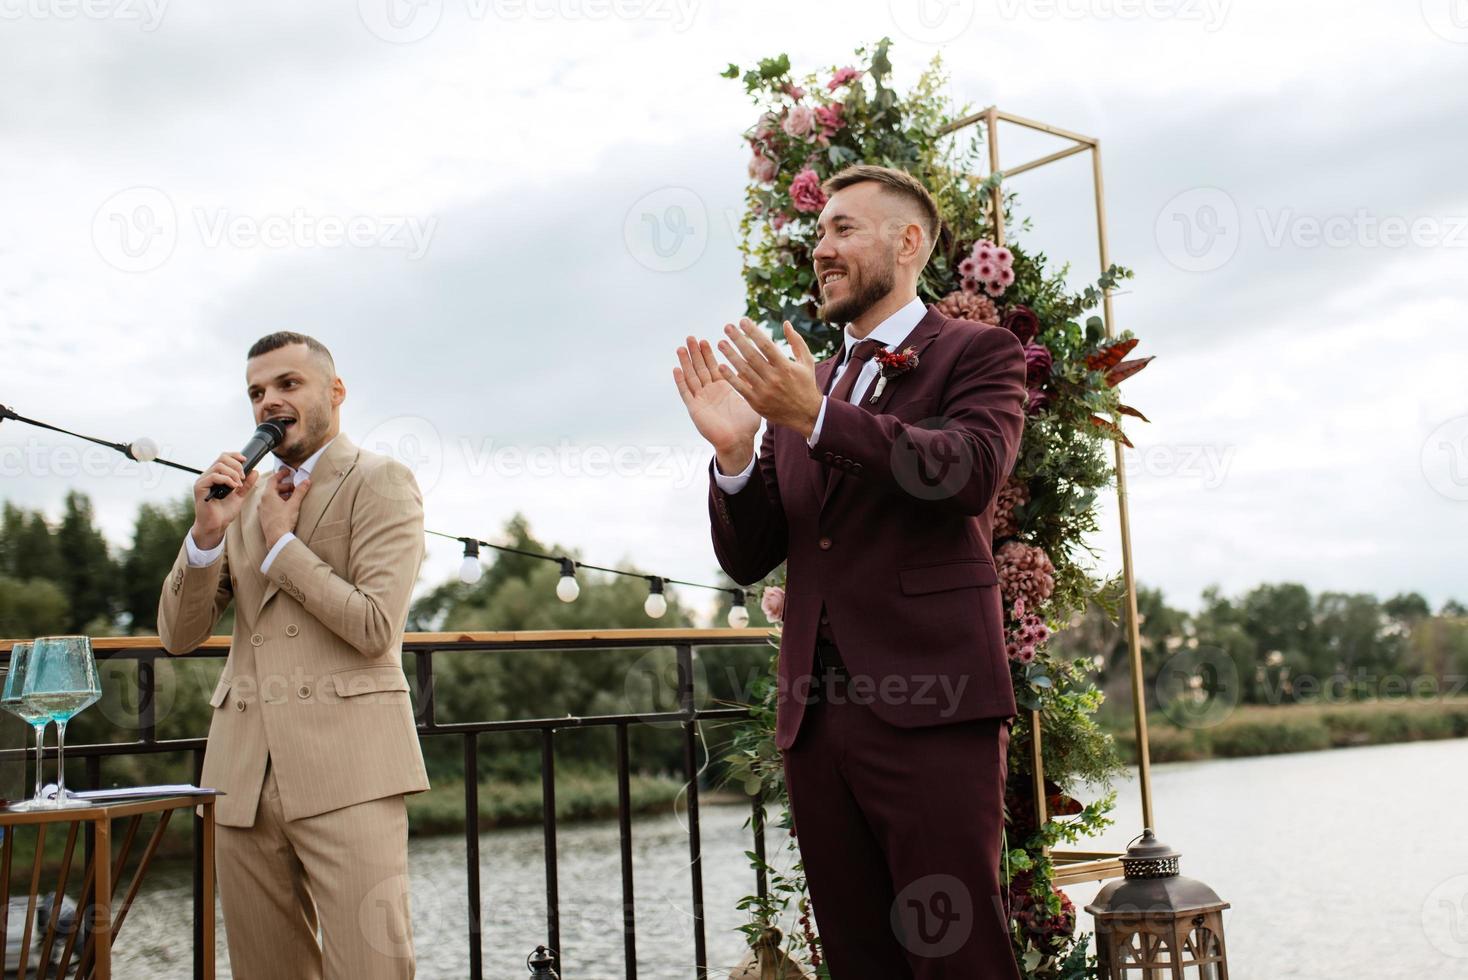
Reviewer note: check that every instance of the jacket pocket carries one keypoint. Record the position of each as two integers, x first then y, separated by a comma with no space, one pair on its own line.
355,681
943,576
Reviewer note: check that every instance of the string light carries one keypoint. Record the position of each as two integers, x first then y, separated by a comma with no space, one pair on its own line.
739,612
567,589
470,571
655,605
145,450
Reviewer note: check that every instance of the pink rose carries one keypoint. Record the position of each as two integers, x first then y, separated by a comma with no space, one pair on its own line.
805,191
772,602
798,121
762,169
842,76
830,118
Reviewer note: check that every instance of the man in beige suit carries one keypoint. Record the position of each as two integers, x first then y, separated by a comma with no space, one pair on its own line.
313,740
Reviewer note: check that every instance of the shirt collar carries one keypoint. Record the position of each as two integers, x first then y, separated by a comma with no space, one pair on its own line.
304,470
893,330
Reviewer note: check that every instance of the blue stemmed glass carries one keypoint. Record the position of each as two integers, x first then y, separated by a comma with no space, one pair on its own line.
10,700
60,681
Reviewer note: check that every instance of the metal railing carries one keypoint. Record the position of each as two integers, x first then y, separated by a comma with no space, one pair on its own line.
423,647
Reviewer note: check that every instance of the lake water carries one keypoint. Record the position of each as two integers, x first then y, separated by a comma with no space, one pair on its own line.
1344,863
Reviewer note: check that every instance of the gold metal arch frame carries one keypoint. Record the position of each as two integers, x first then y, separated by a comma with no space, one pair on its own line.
1078,866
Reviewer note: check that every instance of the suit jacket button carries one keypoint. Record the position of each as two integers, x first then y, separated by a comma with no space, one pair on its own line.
292,629
304,692
830,456
825,544
256,639
239,705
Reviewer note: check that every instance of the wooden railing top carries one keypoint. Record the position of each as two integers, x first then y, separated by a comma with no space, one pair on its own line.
506,638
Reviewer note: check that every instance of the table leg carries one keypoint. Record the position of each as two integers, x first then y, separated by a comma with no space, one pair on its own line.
102,923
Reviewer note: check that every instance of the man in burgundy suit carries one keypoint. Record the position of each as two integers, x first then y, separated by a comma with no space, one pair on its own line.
895,700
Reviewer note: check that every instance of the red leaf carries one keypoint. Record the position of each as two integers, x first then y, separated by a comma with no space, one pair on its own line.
1128,410
1126,369
1113,429
1108,357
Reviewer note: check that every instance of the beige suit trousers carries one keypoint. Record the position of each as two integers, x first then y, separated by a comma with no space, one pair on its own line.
345,870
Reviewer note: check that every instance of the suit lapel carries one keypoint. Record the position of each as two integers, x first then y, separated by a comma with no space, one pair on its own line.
918,339
327,477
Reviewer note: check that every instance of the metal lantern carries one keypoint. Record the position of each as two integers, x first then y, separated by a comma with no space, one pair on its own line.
541,964
1154,924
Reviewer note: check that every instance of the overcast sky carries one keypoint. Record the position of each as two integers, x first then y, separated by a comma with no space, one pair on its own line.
503,216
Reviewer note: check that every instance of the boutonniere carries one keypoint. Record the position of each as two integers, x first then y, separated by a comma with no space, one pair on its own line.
892,364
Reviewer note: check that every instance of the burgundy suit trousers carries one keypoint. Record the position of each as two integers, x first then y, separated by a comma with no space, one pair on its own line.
900,833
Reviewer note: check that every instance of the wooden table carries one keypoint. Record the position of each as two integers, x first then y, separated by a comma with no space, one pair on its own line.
101,877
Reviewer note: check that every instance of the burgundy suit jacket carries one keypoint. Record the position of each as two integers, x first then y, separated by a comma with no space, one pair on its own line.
887,523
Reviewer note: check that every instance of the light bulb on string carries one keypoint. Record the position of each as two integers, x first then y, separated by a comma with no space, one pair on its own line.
739,612
656,604
470,571
144,450
567,588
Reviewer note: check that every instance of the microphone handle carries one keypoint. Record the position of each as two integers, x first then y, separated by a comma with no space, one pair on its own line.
253,452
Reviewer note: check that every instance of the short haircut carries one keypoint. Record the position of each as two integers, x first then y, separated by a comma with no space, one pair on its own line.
897,181
284,338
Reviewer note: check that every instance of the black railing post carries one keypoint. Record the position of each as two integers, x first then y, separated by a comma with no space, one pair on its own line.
688,707
624,827
147,684
471,861
548,820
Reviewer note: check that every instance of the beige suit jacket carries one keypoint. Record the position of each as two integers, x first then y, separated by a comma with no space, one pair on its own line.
314,679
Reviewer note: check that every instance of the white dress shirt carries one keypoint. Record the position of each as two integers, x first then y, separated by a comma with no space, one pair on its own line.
889,333
198,557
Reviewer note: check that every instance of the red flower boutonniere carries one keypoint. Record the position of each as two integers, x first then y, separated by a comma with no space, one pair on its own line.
893,364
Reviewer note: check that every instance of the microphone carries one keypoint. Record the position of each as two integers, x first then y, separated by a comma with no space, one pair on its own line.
267,436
